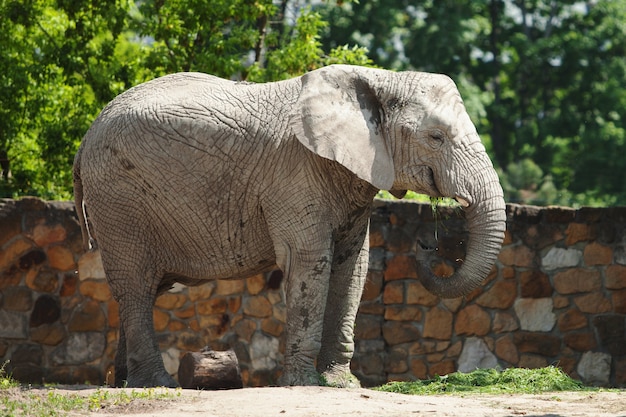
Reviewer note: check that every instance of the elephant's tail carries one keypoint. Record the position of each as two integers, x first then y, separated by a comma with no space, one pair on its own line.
81,210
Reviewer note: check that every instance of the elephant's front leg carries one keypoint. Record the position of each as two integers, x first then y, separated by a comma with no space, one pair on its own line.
347,280
306,286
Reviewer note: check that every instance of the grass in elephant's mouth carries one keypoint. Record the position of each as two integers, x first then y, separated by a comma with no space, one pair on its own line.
492,381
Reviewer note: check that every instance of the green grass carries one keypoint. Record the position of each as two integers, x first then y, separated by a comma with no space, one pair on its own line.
491,381
16,400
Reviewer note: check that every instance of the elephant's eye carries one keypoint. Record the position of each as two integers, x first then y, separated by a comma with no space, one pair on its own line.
436,135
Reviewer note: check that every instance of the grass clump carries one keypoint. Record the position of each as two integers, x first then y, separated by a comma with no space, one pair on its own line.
491,381
16,400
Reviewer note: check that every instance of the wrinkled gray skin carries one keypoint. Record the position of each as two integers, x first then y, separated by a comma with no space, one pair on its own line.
191,177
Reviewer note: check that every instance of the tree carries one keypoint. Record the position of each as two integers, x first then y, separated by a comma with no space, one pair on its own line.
542,79
65,59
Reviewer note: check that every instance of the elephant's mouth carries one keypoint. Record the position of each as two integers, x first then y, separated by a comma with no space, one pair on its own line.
437,191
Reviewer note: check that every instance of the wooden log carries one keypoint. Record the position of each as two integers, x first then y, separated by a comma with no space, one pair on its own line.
210,370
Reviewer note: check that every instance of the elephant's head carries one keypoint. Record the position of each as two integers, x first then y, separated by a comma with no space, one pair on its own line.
408,131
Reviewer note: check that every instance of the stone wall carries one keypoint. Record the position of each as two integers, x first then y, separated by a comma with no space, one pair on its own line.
557,295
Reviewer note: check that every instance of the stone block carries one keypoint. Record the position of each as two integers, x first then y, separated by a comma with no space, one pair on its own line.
234,304
48,334
394,293
373,286
438,324
620,371
397,332
535,314
593,303
61,258
69,285
401,267
377,239
618,298
577,280
273,327
403,313
472,320
580,341
501,295
90,266
201,292
377,259
168,301
539,343
257,306
245,328
558,214
441,368
160,319
367,327
417,294
615,277
189,341
595,368
16,299
212,306
42,281
113,314
476,355
10,254
96,290
255,284
185,313
397,241
31,259
13,325
396,361
372,364
561,258
506,350
230,286
88,317
373,307
532,361
597,254
47,310
578,232
518,255
571,320
535,284
504,322
264,353
79,348
171,360
611,330
419,368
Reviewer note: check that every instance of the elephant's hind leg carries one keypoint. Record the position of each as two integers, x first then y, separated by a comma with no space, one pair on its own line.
138,358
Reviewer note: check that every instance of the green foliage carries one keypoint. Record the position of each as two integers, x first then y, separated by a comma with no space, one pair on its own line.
544,81
64,60
511,380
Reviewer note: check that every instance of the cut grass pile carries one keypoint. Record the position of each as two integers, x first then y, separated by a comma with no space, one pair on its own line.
491,381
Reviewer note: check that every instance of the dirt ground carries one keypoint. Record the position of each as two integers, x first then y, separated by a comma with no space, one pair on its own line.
320,401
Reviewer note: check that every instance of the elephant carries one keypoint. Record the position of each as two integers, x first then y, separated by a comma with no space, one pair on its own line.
190,177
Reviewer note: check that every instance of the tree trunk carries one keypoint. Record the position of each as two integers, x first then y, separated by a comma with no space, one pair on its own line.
209,369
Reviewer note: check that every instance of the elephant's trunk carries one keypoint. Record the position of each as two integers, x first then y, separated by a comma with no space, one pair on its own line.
486,218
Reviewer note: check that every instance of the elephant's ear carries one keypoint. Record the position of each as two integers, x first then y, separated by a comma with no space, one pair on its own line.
339,117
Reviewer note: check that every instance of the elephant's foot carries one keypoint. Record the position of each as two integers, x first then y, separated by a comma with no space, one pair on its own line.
340,377
160,379
302,378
